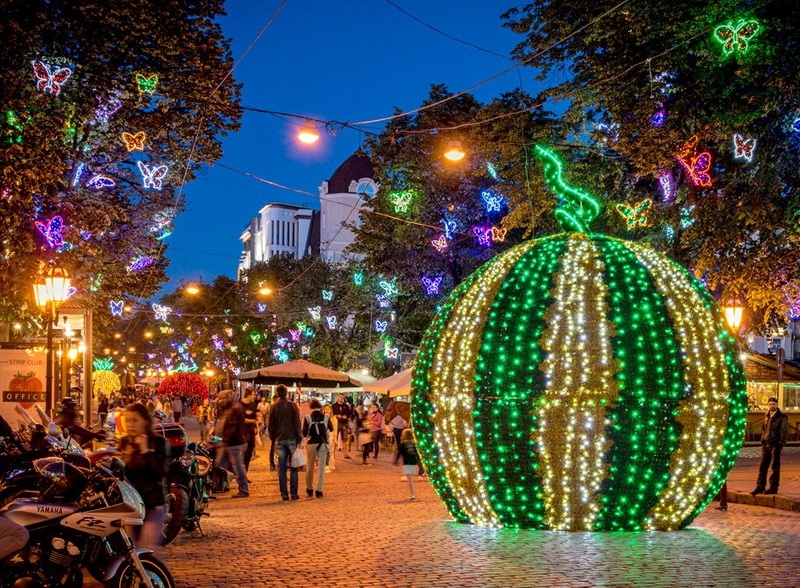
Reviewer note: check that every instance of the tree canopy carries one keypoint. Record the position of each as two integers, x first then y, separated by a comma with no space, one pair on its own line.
109,107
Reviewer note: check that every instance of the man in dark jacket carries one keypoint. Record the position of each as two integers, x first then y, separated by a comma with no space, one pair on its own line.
231,451
774,433
284,429
342,412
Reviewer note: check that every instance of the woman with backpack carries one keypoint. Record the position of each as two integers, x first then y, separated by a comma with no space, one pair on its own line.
316,427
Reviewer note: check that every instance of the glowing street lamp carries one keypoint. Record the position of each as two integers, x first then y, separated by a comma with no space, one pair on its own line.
733,314
50,294
192,289
308,134
454,152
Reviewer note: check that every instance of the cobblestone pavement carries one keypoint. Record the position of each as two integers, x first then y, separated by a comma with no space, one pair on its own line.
365,532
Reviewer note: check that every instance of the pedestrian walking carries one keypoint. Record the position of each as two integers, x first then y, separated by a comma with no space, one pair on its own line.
145,457
230,453
334,436
177,408
204,418
250,423
375,422
774,434
317,428
284,429
343,412
410,457
102,410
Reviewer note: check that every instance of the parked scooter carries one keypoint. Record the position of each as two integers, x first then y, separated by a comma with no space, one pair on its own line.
76,523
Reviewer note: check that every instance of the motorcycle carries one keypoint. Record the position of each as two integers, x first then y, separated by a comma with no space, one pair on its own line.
76,523
187,478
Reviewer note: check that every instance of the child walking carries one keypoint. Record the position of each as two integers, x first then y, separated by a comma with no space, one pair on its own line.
408,451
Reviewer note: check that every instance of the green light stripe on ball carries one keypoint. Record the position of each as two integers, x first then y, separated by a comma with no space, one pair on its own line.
421,407
642,429
579,370
508,386
452,385
704,412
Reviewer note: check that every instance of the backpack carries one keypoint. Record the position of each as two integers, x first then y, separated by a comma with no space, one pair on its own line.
324,423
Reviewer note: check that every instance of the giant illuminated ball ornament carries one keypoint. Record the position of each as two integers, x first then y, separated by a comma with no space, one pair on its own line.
578,382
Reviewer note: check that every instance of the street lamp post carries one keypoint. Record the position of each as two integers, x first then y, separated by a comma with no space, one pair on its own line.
50,293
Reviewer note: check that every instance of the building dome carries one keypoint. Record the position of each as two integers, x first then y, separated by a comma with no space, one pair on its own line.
356,167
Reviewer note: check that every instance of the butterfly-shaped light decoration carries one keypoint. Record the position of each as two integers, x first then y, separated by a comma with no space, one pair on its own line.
50,79
796,125
315,312
696,167
358,278
743,148
736,37
276,352
491,170
308,333
134,141
401,200
98,182
432,284
294,335
383,301
667,187
255,337
492,201
610,131
52,231
71,291
389,288
635,215
106,108
79,169
141,263
166,330
282,341
686,216
283,356
380,326
13,134
450,226
262,307
391,352
217,342
327,295
305,350
498,234
116,307
483,235
86,235
331,320
161,312
96,282
146,84
440,244
659,117
152,176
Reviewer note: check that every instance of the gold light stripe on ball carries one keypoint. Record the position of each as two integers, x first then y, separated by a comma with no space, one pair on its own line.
580,388
704,414
452,390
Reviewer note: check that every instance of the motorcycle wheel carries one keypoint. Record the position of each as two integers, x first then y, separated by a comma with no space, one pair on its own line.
157,572
176,513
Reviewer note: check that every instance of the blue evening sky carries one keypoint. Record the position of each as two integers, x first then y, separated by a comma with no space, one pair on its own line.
343,60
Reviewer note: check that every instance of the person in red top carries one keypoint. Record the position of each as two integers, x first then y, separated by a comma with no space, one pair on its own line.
375,422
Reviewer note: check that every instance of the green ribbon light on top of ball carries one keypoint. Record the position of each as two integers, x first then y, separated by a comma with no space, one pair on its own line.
578,382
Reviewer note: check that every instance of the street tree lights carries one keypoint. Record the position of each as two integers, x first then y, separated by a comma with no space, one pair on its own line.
50,294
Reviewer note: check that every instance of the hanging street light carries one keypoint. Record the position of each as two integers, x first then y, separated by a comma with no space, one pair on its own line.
454,152
308,134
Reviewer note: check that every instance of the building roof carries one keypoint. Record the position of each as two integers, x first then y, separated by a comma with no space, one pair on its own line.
355,167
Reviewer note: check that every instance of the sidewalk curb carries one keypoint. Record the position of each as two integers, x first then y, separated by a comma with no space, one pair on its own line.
768,500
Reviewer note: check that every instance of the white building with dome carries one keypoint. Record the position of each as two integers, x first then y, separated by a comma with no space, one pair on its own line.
285,228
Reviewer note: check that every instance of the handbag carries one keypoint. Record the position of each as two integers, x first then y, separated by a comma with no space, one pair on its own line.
299,457
364,437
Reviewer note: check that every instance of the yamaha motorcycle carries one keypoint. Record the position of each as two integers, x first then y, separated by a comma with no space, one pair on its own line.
76,523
